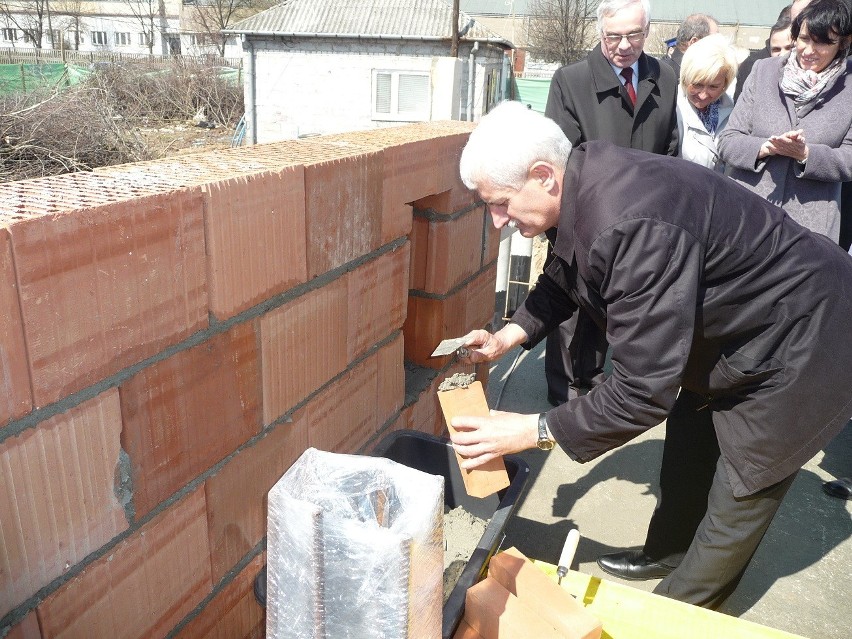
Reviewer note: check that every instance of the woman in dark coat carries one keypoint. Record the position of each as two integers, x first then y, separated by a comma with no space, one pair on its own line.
789,137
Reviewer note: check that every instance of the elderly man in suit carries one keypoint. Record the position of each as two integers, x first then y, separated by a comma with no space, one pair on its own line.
726,319
619,94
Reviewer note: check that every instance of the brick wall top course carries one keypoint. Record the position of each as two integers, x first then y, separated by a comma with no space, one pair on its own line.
64,193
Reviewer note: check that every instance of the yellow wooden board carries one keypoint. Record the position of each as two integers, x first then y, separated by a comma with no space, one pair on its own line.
628,613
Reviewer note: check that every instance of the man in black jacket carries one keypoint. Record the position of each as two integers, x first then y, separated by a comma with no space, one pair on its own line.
726,319
593,100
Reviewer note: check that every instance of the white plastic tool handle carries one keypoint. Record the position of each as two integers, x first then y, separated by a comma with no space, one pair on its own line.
569,548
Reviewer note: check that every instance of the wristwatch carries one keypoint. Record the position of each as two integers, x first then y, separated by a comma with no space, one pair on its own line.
544,441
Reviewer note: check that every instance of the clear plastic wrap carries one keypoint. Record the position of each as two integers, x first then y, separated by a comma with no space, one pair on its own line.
354,550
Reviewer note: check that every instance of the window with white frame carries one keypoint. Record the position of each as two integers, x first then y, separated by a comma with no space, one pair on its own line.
122,39
99,37
143,40
401,95
9,35
197,39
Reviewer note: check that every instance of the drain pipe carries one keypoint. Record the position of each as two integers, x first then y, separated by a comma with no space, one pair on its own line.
250,92
471,80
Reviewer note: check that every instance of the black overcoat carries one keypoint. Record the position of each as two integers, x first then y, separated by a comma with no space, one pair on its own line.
589,102
700,284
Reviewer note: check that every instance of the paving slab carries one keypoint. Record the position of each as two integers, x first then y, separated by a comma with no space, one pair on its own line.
799,580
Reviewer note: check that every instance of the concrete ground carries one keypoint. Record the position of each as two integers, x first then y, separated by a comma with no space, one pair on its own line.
800,580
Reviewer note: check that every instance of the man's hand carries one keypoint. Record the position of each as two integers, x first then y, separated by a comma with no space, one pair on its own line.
485,347
481,439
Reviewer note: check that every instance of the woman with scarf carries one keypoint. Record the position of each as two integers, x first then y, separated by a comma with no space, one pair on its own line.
703,106
789,137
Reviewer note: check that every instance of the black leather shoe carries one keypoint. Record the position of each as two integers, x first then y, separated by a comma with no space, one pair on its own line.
840,488
633,565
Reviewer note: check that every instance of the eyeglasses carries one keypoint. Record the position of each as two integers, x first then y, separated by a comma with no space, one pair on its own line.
615,38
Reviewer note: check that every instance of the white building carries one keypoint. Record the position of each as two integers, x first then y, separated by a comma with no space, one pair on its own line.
163,27
325,66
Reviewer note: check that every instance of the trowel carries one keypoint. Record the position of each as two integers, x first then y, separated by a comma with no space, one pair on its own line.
450,346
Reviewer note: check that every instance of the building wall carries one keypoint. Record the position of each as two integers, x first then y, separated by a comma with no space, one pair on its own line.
321,86
77,21
174,334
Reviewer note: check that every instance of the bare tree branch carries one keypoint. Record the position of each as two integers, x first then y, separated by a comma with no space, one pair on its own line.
562,31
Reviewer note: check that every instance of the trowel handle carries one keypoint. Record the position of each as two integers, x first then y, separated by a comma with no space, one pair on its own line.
566,557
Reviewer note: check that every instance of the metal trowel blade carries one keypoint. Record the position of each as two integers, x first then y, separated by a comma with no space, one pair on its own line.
448,346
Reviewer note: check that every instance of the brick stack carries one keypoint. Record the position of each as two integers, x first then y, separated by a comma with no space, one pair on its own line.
175,333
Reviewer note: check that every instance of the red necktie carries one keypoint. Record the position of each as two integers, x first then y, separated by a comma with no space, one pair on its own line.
627,74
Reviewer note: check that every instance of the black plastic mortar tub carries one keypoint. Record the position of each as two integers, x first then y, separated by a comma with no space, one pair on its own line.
434,455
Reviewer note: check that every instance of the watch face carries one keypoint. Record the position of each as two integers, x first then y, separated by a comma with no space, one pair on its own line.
545,444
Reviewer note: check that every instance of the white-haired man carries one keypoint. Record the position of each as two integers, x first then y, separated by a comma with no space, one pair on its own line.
726,319
619,94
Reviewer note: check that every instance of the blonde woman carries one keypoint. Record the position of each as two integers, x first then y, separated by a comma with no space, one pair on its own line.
703,105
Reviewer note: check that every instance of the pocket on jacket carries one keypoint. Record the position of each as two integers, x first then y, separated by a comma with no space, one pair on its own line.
738,370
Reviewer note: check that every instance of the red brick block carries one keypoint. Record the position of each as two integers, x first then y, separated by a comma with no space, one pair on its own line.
428,322
236,495
143,587
448,149
342,418
57,496
343,208
26,629
447,202
491,249
106,287
233,613
303,345
495,613
390,375
543,596
453,252
15,397
255,229
425,416
378,296
481,299
185,413
409,170
419,241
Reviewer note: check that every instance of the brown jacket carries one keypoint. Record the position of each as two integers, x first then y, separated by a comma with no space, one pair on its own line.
700,284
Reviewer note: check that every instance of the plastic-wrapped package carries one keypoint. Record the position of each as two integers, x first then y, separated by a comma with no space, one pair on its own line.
354,550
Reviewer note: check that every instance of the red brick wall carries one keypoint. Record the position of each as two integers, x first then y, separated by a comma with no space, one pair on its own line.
175,333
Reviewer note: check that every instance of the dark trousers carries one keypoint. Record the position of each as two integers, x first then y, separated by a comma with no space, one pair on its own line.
846,215
574,357
698,525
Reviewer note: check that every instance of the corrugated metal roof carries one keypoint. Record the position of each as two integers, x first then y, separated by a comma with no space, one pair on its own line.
397,19
751,12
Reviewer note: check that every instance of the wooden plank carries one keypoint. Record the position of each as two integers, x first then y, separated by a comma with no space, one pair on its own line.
492,476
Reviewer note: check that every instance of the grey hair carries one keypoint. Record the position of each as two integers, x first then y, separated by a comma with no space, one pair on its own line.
695,26
608,8
507,142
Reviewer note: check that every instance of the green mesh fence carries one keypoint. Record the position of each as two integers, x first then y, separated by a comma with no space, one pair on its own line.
17,78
